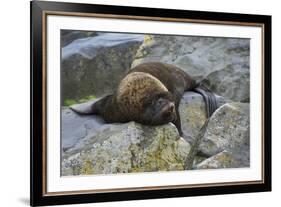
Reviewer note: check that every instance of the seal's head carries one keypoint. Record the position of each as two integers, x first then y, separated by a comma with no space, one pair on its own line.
158,109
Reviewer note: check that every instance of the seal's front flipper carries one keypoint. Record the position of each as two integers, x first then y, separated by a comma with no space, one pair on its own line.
85,108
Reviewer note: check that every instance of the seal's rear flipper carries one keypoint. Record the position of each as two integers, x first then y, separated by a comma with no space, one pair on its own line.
209,98
85,108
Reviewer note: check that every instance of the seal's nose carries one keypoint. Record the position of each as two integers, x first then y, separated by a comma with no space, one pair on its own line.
171,107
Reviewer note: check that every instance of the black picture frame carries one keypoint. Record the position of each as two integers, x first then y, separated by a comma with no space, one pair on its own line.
39,10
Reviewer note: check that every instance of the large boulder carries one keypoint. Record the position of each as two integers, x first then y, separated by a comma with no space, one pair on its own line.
232,82
225,141
226,159
204,58
130,147
95,65
228,129
76,128
68,36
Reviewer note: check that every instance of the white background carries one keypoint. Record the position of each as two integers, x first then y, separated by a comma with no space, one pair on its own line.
14,104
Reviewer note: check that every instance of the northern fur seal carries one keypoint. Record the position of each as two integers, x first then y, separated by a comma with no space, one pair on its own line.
150,94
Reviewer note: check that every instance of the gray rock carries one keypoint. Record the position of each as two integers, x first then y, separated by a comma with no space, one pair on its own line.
68,36
91,46
76,128
232,82
226,159
95,65
228,129
131,147
193,114
204,57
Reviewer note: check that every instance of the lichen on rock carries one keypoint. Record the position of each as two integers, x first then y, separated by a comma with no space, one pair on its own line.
226,159
130,147
228,128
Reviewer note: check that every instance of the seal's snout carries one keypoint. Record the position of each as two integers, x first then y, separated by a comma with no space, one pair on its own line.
169,109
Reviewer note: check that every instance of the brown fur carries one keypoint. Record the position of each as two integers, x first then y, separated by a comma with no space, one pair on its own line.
143,86
134,89
172,77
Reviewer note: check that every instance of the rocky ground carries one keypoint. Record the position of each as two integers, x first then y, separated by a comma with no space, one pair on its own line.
90,146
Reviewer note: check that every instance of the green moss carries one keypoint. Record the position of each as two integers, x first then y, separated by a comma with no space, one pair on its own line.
87,98
69,102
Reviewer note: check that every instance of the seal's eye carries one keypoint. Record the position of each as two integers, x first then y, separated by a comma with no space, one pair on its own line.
159,101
